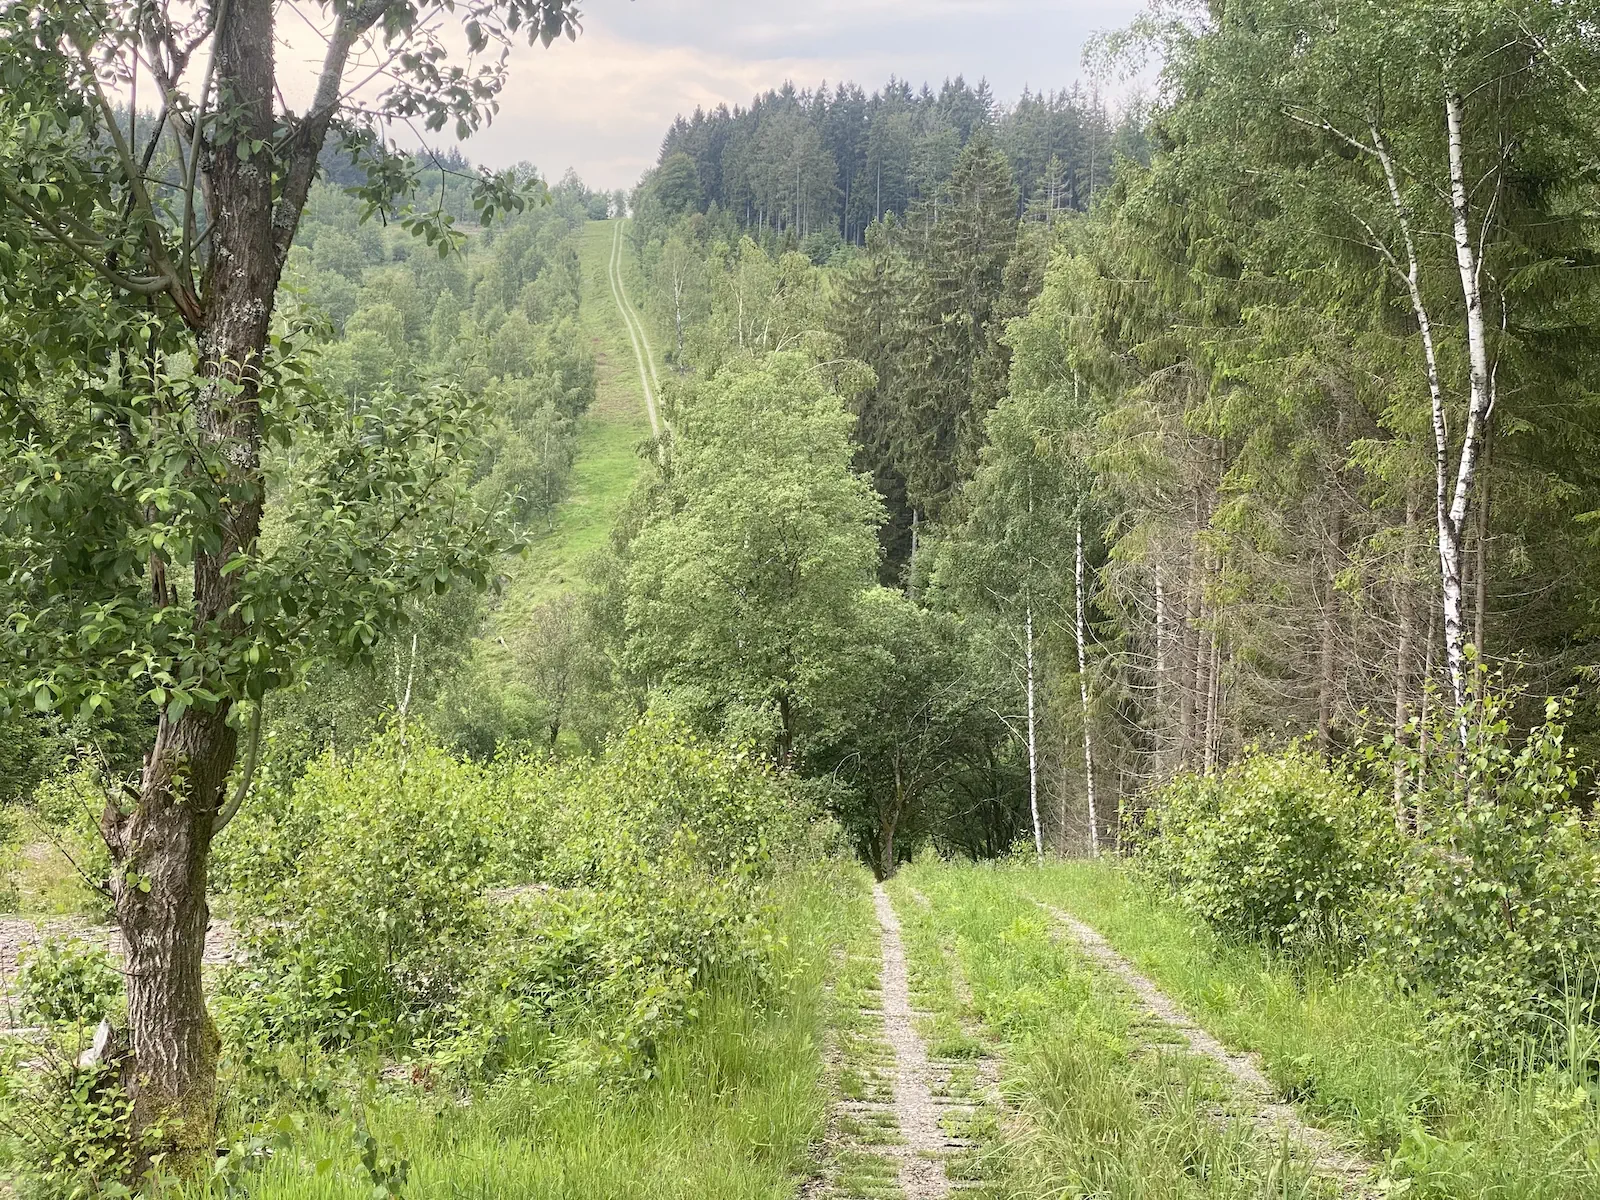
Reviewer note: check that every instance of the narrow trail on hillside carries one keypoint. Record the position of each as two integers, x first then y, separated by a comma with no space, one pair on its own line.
1273,1118
642,353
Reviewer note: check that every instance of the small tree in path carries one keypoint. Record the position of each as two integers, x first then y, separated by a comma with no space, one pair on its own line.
145,386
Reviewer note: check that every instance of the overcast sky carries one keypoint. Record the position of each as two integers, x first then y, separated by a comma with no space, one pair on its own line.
602,104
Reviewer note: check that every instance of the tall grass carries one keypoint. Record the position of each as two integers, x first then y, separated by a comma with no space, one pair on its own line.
1358,1055
1099,1115
731,1113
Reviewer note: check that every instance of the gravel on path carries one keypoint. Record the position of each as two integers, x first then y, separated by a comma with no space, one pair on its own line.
922,1173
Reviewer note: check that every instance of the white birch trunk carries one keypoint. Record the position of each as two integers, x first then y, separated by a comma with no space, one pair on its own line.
1164,722
1033,744
1480,393
1450,504
1083,697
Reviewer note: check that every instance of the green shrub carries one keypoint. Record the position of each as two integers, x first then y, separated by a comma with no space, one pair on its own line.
359,894
67,981
72,1130
1279,848
506,914
1496,911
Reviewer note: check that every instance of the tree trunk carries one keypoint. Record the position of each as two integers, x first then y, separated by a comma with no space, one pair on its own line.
1402,659
888,820
1423,746
1479,407
1213,702
158,885
1033,745
1162,716
1328,658
1480,566
1189,665
1450,505
159,850
1083,696
677,318
786,729
886,846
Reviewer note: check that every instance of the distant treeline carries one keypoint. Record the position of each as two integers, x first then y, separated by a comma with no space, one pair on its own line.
835,159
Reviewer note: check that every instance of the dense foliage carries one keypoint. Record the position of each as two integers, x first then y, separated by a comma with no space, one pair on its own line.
821,166
521,914
1278,848
1022,472
1496,903
1483,901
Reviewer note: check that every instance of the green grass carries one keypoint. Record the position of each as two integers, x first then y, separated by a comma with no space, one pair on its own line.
1098,1112
45,882
609,437
733,1113
1354,1054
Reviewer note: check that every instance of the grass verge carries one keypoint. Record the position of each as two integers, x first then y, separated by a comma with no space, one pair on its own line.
734,1111
1098,1111
1353,1053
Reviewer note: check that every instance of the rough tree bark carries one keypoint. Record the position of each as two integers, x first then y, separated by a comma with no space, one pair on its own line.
159,849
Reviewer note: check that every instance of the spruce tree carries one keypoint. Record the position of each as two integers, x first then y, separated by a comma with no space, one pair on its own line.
955,366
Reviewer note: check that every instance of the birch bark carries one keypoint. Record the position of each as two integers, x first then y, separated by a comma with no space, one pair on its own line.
1083,696
1033,745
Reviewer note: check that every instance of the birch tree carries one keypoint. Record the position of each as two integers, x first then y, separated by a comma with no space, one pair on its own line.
1417,127
1012,556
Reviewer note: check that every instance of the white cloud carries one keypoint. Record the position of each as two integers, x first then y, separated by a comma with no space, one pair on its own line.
602,104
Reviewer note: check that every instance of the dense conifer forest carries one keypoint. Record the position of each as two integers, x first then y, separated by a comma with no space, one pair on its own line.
1039,645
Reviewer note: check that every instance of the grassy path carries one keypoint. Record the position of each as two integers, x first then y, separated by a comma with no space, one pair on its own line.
1276,1120
643,353
1356,1057
910,1107
1099,1099
609,435
922,1170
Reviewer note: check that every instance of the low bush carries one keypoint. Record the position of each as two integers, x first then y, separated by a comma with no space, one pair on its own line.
360,893
1496,910
516,913
1280,848
69,1129
66,981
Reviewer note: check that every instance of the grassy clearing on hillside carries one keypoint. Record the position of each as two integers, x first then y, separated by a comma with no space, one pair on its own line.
1353,1053
609,436
1099,1114
732,1112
